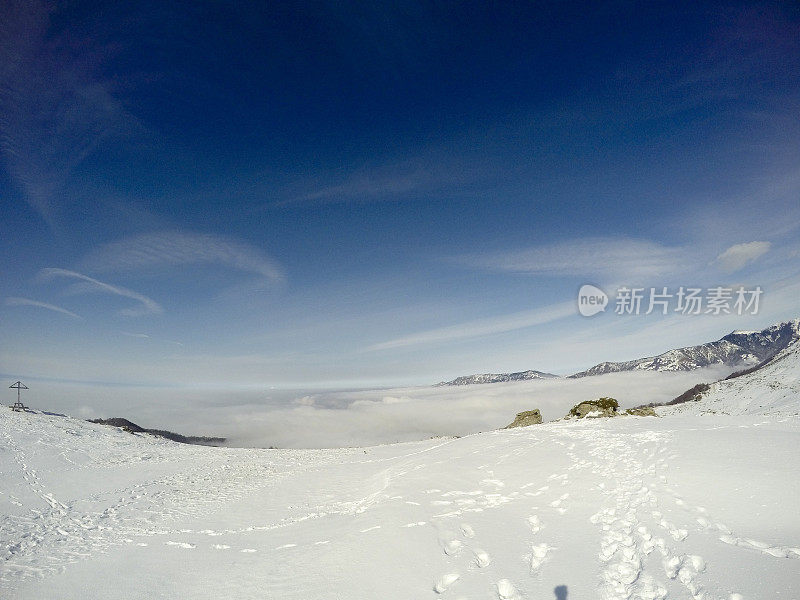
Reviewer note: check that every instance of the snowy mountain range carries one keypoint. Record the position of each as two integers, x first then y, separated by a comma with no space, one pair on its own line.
499,378
771,389
737,349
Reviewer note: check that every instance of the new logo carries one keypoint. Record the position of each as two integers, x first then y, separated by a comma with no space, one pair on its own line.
591,300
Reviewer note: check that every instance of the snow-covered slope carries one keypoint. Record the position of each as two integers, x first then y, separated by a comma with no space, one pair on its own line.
608,509
772,389
499,378
739,348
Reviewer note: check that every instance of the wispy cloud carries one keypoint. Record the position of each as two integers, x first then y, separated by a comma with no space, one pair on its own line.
146,336
182,248
481,327
53,111
432,171
89,284
141,336
599,257
16,301
740,255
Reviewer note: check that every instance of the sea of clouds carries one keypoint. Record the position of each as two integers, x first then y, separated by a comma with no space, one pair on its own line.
297,419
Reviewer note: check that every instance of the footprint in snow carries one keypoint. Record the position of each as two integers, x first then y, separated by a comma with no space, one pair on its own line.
467,531
444,582
678,534
538,556
506,590
452,547
776,551
534,523
482,559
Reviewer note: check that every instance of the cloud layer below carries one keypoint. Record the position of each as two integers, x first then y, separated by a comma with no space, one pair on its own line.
361,418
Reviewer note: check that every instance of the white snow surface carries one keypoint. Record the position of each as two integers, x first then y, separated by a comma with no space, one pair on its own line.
677,507
772,389
688,505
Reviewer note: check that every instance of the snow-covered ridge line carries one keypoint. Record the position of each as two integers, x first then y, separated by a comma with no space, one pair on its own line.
737,349
499,377
771,389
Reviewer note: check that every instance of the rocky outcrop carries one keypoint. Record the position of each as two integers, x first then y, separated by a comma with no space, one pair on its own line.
641,411
131,427
525,418
591,409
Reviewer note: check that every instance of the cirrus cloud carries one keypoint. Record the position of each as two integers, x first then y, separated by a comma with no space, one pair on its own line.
173,248
17,301
739,256
88,284
602,257
481,327
55,109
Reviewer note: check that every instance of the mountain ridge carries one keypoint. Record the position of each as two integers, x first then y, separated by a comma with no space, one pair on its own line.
499,377
737,349
772,388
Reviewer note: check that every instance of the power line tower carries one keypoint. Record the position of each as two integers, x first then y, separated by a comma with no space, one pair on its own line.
18,405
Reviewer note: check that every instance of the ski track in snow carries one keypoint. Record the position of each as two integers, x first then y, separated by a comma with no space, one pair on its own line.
642,524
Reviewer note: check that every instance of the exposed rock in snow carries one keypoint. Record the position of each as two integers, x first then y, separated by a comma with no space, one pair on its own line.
592,409
641,411
526,418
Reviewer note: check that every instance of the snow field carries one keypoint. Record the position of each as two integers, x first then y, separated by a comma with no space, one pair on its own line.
625,508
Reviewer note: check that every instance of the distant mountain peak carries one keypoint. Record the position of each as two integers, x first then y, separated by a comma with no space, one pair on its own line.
499,377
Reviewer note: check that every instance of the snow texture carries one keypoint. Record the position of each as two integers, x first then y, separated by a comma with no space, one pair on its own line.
696,504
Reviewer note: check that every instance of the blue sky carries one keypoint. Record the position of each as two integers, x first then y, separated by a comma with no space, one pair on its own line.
365,194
